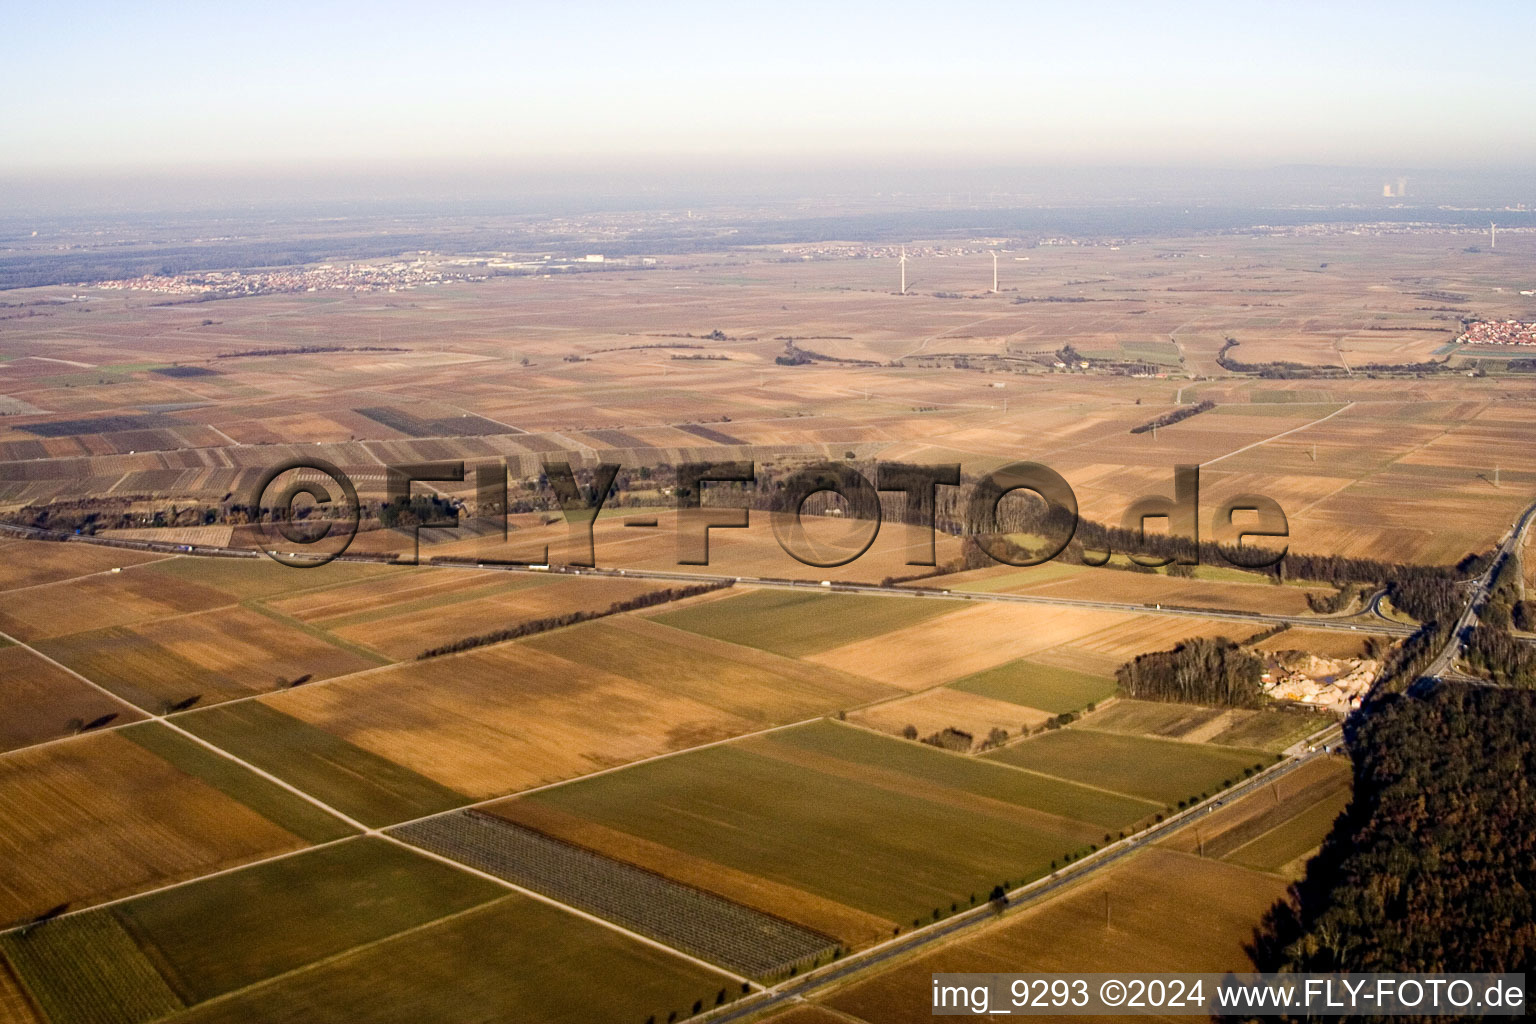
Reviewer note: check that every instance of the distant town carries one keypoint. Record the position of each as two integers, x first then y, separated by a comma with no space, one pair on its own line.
393,276
1499,332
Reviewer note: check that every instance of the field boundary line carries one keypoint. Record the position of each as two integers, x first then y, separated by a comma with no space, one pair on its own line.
343,954
165,720
1019,899
91,683
1013,767
612,926
1276,437
86,576
114,901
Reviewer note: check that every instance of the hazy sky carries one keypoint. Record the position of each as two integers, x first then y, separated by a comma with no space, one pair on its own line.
91,86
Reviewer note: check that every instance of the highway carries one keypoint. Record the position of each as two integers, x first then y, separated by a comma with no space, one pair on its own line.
1380,625
1444,664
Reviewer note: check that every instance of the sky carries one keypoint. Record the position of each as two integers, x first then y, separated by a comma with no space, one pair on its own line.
91,87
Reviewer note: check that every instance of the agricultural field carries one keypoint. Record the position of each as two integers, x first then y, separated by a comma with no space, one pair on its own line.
1250,593
796,624
694,921
43,702
103,601
785,806
242,944
98,816
1271,729
207,657
1056,690
498,719
1152,769
26,564
1277,828
943,708
718,784
1218,877
360,784
514,955
1116,920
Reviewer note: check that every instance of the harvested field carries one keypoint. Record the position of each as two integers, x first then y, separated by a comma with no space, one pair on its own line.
28,563
360,784
279,806
219,656
500,604
16,1006
1153,769
96,602
1056,690
1217,906
43,702
514,958
241,928
944,649
246,578
387,594
936,710
699,923
1107,649
99,817
1274,828
1325,643
788,805
513,715
796,624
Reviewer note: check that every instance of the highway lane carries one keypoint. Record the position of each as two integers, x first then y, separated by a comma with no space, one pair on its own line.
1380,626
1444,664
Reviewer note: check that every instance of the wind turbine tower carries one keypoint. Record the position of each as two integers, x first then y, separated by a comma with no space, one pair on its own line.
903,262
1493,235
994,273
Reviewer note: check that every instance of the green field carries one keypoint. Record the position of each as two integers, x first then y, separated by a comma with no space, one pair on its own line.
795,623
889,827
86,969
1273,729
272,802
1156,769
515,959
240,928
1057,690
356,782
1149,718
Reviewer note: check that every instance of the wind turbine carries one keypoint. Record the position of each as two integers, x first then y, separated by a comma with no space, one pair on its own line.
1493,235
903,262
994,273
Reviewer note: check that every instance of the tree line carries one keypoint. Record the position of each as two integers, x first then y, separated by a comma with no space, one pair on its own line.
1432,867
533,626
